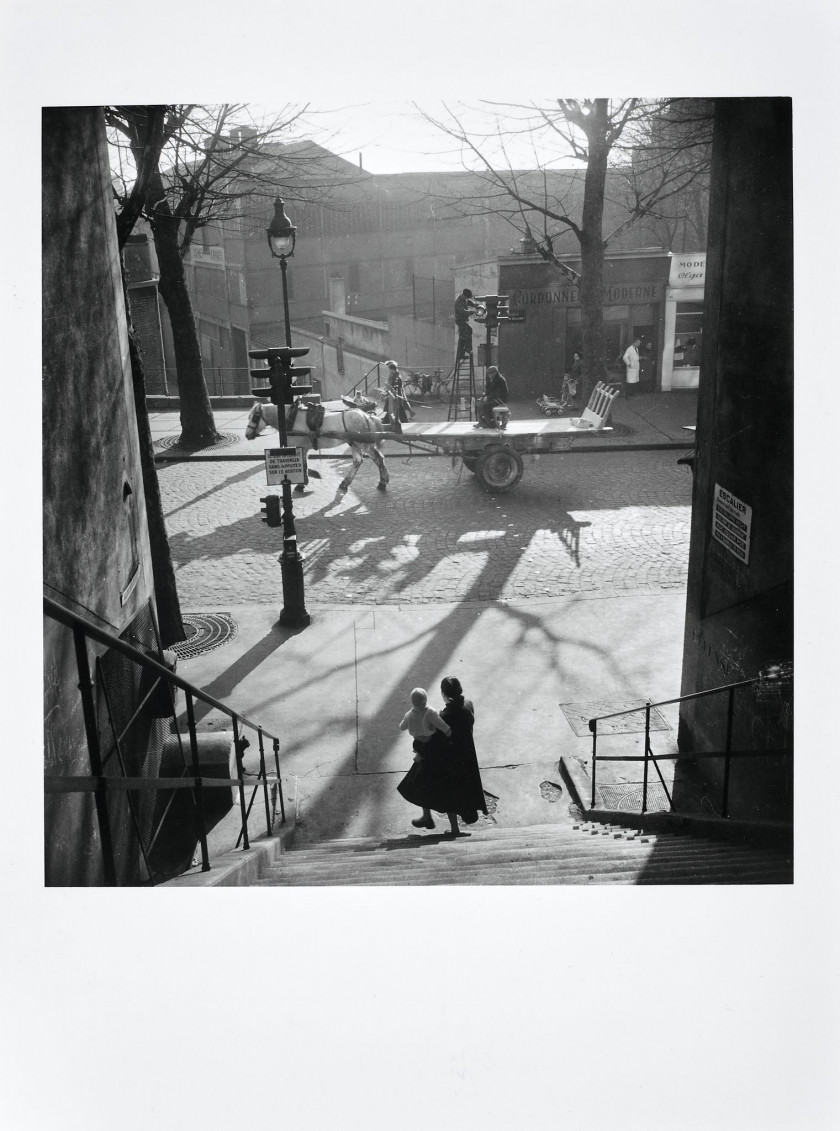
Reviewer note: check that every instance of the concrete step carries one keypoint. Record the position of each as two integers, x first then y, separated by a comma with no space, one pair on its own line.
533,867
492,848
459,853
584,852
528,876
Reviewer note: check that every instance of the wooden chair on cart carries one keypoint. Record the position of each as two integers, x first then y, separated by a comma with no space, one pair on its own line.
597,412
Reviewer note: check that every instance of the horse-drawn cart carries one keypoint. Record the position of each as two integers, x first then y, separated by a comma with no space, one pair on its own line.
495,455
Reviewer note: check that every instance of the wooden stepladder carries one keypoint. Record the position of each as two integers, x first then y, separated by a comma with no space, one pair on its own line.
462,397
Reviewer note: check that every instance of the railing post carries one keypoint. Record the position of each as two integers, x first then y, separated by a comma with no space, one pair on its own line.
199,795
265,784
279,782
593,726
647,753
724,808
100,797
240,774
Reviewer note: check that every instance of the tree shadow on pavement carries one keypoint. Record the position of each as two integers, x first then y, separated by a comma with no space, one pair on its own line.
398,552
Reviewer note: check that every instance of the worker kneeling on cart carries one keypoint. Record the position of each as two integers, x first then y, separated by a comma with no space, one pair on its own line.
495,396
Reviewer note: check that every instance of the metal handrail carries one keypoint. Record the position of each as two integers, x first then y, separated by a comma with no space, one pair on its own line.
71,619
99,784
649,757
679,699
364,378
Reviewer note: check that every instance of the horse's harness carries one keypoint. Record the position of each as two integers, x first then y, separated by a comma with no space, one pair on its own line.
314,418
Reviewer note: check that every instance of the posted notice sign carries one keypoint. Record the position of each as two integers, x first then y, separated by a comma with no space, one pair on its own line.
731,523
283,463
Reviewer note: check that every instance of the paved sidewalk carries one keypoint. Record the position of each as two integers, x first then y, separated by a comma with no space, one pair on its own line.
335,692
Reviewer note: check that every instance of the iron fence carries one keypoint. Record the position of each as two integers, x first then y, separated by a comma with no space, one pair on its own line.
649,758
127,723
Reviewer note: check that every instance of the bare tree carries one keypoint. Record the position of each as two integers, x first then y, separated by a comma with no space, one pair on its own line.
639,157
207,170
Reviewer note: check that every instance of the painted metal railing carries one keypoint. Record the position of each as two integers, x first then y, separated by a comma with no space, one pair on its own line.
649,758
163,680
364,384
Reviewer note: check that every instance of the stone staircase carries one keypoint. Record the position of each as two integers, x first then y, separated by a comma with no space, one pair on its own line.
584,853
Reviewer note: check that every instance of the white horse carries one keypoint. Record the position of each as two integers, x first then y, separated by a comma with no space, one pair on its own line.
362,432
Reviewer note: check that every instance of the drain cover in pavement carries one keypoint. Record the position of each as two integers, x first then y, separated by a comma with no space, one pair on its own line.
205,631
629,797
579,714
172,443
549,791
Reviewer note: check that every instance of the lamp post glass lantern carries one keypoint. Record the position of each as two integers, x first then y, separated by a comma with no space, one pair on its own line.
281,234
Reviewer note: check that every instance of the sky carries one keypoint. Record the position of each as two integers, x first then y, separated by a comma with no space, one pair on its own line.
402,135
397,137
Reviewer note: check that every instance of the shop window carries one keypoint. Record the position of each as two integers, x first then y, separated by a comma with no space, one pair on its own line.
613,346
688,334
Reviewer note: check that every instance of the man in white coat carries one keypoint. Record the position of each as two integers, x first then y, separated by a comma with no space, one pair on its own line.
631,362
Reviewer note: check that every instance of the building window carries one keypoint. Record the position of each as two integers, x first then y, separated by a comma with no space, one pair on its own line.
210,283
237,294
688,334
354,280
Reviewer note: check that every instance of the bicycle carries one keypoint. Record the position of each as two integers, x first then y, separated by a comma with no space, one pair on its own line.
431,385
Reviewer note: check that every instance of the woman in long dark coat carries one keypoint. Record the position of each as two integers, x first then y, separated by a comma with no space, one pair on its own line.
459,713
445,775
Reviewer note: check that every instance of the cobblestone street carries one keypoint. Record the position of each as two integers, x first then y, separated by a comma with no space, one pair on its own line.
591,523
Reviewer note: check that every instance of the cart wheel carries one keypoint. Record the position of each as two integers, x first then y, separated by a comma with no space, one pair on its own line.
499,469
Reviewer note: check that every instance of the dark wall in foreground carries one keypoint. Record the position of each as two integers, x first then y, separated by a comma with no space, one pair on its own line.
739,614
96,554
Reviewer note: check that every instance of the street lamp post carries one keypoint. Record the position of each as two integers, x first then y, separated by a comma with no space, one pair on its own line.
281,239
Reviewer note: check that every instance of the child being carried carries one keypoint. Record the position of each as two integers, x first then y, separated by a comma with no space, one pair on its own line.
421,721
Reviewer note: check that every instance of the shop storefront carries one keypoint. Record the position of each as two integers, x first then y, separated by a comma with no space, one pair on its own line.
538,348
684,322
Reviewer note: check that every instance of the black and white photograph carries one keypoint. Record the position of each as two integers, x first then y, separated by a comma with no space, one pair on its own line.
410,505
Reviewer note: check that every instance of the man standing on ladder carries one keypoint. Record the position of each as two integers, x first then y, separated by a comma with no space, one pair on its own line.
464,306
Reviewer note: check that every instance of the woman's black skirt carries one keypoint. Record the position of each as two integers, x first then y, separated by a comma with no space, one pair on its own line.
435,783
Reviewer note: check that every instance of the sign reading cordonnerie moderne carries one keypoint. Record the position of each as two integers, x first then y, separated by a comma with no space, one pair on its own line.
283,463
731,523
616,293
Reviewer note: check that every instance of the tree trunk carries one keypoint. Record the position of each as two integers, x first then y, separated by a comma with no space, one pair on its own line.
198,427
163,575
592,249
